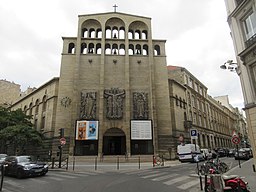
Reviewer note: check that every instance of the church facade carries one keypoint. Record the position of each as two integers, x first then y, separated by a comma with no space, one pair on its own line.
116,95
113,77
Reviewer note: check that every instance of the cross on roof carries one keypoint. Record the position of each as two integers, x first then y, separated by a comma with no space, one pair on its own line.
115,6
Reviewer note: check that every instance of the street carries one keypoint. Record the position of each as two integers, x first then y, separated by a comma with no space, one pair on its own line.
180,177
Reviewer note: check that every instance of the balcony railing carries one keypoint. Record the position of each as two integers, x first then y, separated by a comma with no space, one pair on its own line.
250,41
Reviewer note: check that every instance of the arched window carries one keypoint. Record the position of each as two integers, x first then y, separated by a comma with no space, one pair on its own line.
114,49
107,49
98,48
44,104
130,34
30,108
37,106
91,48
121,33
25,109
83,48
84,33
99,33
157,50
115,33
122,49
138,50
108,33
92,33
71,48
144,34
145,50
137,34
131,49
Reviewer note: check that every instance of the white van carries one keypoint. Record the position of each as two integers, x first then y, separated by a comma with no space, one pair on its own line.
188,152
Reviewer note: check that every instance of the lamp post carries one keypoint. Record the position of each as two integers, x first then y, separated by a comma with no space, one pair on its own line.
229,65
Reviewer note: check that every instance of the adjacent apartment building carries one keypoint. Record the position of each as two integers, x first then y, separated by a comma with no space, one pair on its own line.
241,17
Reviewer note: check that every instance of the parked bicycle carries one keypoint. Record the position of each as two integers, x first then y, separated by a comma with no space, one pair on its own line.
216,166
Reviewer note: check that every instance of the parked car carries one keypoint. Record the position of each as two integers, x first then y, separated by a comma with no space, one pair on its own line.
242,154
249,151
2,158
222,152
206,153
198,157
24,166
231,153
214,154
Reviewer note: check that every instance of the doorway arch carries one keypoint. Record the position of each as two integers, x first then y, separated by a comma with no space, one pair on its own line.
114,142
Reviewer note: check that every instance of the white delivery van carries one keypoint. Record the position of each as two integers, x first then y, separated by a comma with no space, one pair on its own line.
187,152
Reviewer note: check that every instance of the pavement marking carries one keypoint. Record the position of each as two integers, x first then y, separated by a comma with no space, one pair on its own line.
164,177
154,175
38,180
138,171
62,175
13,183
55,178
176,180
188,184
145,173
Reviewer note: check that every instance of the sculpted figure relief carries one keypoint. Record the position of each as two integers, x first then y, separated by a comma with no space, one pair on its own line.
114,99
140,105
88,105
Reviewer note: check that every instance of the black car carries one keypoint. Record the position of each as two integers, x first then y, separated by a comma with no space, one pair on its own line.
24,166
242,154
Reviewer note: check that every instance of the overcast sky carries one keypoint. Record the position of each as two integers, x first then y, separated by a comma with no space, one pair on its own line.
197,34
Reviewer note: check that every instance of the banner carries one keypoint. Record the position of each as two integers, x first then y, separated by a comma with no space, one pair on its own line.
86,130
141,130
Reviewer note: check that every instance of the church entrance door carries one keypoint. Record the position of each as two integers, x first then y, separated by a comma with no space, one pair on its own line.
114,142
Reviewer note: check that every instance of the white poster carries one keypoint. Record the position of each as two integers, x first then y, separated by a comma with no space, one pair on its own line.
141,130
86,130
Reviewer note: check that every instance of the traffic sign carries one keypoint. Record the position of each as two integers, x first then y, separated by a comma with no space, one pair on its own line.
236,140
62,141
193,133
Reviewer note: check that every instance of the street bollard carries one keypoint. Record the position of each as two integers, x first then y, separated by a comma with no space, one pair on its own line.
139,162
74,161
205,183
117,162
95,167
53,162
67,164
201,183
2,177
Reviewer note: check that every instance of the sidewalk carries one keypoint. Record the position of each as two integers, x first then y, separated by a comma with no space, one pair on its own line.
245,171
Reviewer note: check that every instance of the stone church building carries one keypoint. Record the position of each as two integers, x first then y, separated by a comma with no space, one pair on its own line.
113,78
116,95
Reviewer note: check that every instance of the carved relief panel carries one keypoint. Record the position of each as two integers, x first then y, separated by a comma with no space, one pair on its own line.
88,105
114,100
140,105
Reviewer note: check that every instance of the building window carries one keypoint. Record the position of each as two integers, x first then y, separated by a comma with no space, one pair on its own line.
249,25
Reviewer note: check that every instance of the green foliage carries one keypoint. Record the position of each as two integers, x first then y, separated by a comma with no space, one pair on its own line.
17,130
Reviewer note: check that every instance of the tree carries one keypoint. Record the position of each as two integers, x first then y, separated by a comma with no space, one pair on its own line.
17,130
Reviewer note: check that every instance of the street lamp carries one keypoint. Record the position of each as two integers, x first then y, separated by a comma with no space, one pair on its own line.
229,65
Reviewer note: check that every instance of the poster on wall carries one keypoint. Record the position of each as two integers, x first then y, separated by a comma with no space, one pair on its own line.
86,130
141,130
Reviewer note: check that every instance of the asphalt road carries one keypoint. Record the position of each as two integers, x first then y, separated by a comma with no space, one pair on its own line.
177,178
